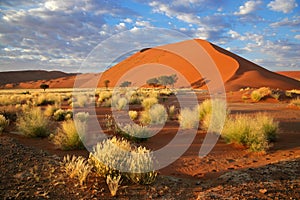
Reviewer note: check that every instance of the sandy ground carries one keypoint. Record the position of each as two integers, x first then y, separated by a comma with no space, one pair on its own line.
30,167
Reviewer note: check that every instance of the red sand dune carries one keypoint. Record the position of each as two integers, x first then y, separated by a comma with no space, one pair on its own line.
291,74
233,71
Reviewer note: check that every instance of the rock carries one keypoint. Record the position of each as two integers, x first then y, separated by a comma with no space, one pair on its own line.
263,191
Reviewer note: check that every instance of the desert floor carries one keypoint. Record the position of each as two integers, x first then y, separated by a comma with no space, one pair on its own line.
30,167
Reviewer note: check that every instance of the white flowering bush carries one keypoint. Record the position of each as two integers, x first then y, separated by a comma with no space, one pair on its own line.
114,157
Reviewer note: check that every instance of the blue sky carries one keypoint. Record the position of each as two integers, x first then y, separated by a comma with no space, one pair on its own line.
59,35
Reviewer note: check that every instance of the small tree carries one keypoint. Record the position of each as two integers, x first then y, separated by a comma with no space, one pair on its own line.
44,86
106,83
125,84
152,82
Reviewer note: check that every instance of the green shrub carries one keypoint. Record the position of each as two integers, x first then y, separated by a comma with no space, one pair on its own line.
3,123
68,137
253,132
117,157
189,118
76,167
60,115
158,114
33,123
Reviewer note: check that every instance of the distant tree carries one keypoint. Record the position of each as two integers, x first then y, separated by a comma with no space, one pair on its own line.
152,81
44,86
164,80
173,79
106,83
125,84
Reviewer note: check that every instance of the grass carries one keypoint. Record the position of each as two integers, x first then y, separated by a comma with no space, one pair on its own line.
60,115
135,132
158,114
258,94
33,123
50,110
295,102
117,157
119,102
189,118
148,102
10,112
69,136
254,132
172,112
3,123
76,167
133,114
113,183
213,114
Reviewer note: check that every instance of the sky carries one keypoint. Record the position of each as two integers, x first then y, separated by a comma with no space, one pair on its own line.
60,34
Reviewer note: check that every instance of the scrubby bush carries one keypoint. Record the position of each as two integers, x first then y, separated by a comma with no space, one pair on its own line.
113,183
295,102
10,112
133,114
114,157
81,101
3,123
172,112
33,123
70,135
204,109
213,121
188,118
47,99
50,110
76,167
119,103
60,115
148,102
145,118
104,95
260,93
158,114
135,132
255,132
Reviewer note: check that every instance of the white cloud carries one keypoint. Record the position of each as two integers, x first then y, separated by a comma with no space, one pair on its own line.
128,20
143,23
248,7
287,22
234,34
284,6
297,37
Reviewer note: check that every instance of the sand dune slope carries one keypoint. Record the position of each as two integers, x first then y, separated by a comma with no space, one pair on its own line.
236,72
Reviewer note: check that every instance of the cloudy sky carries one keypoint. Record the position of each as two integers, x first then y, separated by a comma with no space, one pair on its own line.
60,34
